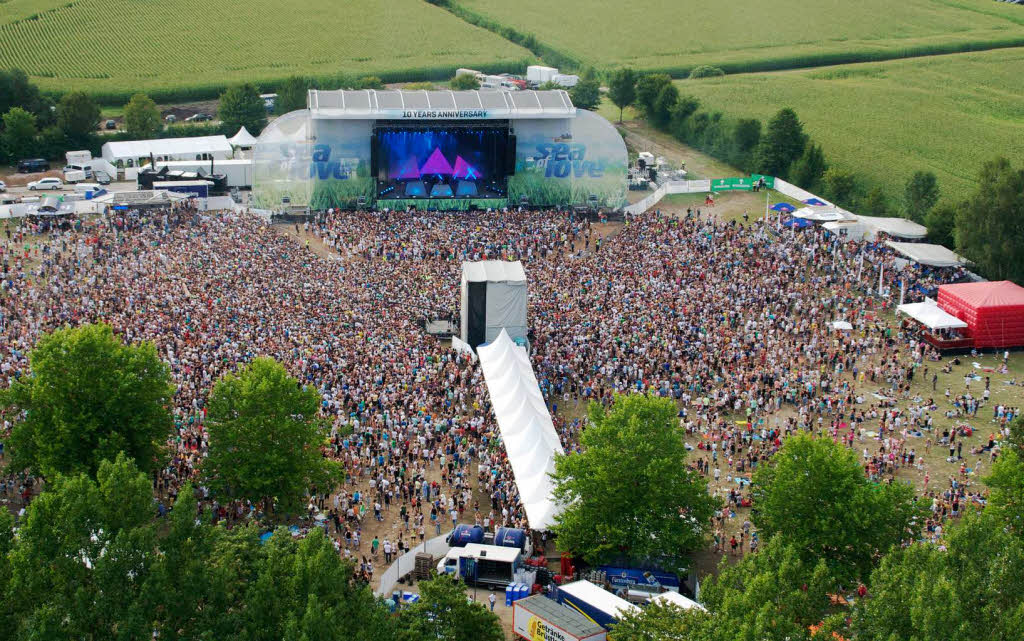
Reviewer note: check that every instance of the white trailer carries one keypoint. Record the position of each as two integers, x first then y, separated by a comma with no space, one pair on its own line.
565,80
78,157
538,75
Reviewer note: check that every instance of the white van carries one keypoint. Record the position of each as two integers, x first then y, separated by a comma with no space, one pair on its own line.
81,188
86,169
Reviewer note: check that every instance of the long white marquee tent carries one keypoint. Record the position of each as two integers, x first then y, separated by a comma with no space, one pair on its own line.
931,315
525,425
926,254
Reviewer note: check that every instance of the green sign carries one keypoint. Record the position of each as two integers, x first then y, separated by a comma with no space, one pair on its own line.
731,184
769,181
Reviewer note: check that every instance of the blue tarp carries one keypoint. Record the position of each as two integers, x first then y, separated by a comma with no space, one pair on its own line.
816,202
783,207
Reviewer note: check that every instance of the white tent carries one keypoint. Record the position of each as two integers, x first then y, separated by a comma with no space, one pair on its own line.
925,254
132,152
895,227
525,425
931,315
822,214
493,299
678,600
242,139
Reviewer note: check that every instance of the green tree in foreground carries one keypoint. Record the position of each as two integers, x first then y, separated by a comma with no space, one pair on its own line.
19,133
1006,481
587,92
809,167
989,224
920,195
445,614
369,82
940,222
78,116
292,94
142,117
782,143
839,186
814,492
973,590
464,82
265,437
89,397
875,202
648,88
629,492
241,106
622,89
661,622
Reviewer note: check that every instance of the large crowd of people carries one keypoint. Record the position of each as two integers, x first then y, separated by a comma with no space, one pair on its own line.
732,321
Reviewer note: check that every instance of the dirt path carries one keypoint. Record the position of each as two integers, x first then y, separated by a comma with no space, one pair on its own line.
642,137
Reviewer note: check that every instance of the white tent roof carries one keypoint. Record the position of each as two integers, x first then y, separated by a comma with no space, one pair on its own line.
925,254
822,214
931,315
525,425
493,271
677,599
242,139
371,104
897,227
131,149
599,597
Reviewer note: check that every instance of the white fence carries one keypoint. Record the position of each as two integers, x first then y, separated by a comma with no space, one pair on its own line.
794,192
671,187
437,546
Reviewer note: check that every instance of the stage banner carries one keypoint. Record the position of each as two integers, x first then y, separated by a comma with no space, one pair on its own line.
731,184
769,181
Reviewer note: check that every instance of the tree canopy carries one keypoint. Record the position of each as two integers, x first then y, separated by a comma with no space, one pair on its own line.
920,195
815,493
292,94
990,224
18,136
622,89
629,493
587,92
142,117
89,397
241,106
78,116
648,88
809,168
464,81
782,143
265,437
445,614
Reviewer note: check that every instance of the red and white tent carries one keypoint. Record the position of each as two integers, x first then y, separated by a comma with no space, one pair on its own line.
993,311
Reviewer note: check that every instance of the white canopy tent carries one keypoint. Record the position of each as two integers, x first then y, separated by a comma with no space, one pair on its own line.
525,425
137,152
931,315
678,600
493,299
242,139
895,227
822,214
925,254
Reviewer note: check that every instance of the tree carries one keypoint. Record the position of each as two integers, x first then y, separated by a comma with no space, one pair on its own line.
241,106
369,82
550,85
815,493
973,590
667,99
839,185
773,595
648,88
661,622
782,143
142,117
808,170
88,398
17,91
1006,482
19,133
292,94
622,89
78,116
875,202
989,223
444,613
629,492
746,134
265,437
84,551
464,82
587,92
920,195
940,222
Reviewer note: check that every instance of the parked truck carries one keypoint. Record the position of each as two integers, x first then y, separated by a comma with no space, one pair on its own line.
537,75
595,603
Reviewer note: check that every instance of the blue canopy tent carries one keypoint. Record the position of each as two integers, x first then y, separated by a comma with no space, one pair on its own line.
783,207
817,202
797,223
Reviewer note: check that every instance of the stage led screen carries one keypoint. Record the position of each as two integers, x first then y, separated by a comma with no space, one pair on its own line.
441,162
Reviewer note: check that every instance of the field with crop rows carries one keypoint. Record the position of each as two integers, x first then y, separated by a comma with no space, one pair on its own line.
945,114
162,46
752,35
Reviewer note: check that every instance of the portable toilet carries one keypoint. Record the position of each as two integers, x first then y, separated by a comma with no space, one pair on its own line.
524,591
509,591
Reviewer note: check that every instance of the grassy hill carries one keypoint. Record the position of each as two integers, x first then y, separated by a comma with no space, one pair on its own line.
751,35
945,114
178,48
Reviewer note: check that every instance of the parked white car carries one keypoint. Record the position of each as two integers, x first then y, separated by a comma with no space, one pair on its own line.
46,183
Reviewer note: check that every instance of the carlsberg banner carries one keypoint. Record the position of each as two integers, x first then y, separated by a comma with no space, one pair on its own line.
731,184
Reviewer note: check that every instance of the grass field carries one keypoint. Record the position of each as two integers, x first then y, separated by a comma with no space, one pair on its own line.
945,114
117,47
746,35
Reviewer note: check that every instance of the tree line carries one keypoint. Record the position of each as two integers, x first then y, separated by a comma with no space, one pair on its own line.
986,226
838,553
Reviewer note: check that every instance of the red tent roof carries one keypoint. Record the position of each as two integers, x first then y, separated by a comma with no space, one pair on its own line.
1001,293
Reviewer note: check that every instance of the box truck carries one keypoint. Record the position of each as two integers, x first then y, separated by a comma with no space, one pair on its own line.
490,566
538,617
537,75
595,603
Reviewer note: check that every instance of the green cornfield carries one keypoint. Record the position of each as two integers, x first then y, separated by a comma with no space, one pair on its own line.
182,49
749,35
884,121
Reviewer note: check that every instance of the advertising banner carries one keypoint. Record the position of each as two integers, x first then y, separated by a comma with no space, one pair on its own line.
532,627
731,184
